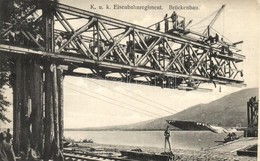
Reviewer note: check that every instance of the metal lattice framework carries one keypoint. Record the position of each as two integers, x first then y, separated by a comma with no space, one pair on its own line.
252,112
107,45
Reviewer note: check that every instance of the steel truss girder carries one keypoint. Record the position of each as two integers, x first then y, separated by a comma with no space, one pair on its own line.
106,40
87,14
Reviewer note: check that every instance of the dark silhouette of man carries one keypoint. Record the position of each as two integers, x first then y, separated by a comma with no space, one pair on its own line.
6,150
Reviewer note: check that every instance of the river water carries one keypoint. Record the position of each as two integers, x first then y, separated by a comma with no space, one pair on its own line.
179,139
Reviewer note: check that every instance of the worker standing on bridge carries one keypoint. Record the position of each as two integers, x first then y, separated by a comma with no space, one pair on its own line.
182,24
174,18
157,26
167,135
216,38
166,27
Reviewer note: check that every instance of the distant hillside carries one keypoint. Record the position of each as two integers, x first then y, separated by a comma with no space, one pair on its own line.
227,111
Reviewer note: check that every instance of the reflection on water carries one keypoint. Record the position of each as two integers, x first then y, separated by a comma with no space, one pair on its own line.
179,139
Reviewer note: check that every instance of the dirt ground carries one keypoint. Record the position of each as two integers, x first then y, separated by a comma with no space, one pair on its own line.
180,154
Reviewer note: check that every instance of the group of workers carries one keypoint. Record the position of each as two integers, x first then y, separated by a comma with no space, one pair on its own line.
212,40
180,24
61,39
175,22
6,150
232,136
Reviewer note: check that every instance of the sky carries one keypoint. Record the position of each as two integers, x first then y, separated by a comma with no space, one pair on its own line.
93,103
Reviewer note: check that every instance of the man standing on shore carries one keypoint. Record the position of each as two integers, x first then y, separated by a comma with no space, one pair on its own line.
167,135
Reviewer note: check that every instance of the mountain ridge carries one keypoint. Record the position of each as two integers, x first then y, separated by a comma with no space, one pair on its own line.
228,111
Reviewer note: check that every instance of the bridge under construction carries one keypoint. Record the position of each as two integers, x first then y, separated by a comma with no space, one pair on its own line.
48,43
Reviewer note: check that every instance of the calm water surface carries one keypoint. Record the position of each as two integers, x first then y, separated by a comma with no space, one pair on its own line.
179,139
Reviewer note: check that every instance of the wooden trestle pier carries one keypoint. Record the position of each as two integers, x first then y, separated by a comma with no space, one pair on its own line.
104,45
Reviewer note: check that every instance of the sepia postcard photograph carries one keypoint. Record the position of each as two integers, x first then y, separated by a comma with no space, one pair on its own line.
129,80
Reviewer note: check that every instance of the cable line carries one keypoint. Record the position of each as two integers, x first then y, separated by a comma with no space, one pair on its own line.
118,101
170,112
151,101
110,102
198,27
204,18
131,97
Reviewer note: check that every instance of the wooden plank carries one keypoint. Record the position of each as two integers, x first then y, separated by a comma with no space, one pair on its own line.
247,153
145,156
75,157
80,153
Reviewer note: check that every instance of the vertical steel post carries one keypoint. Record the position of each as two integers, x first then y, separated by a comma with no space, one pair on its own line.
98,39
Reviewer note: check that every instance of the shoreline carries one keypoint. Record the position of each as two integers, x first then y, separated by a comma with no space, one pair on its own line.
240,129
181,154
